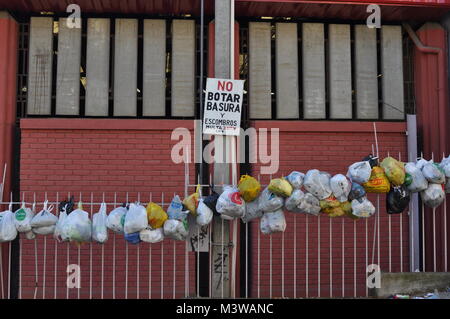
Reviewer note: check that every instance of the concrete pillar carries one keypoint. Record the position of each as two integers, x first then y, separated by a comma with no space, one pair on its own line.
392,70
260,98
125,67
183,68
68,70
221,284
154,81
40,62
97,67
366,77
287,71
8,82
313,71
340,74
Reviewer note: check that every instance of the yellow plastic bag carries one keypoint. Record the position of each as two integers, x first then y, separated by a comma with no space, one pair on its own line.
347,208
378,181
191,202
156,215
332,207
280,187
395,170
249,188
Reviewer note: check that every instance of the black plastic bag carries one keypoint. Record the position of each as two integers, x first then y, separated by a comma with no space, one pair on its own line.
357,192
397,199
373,161
211,201
70,205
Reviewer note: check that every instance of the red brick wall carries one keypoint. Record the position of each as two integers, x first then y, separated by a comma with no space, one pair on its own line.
91,157
332,147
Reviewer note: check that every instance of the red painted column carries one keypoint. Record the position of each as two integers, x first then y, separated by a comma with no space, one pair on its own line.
431,88
8,81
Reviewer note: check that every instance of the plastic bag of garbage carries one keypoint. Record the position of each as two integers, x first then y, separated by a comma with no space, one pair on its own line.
445,165
191,202
135,219
357,192
116,218
331,206
269,202
57,234
394,170
362,207
341,187
317,183
176,229
44,217
211,201
44,230
273,222
252,210
397,200
30,235
433,173
153,236
174,210
77,226
99,230
280,187
373,160
433,196
132,238
204,214
359,172
418,181
249,188
421,163
23,217
378,181
309,204
156,216
348,211
8,231
230,203
296,179
291,203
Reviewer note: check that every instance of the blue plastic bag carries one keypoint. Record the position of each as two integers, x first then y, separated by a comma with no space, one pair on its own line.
133,238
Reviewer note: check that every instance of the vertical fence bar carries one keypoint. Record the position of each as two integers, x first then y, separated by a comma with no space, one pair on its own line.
270,269
331,259
354,258
246,259
162,255
44,277
343,258
126,261
401,228
367,255
423,239
378,227
114,253
138,260
259,263
434,239
150,262
103,261
445,233
390,243
282,264
56,250
318,256
186,250
90,250
1,273
295,256
307,257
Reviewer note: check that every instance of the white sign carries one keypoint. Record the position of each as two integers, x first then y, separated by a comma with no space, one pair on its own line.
223,106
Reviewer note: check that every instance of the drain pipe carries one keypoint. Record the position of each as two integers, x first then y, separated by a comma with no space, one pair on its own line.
441,81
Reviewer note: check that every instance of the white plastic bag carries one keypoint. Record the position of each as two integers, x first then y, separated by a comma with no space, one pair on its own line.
135,219
149,235
432,172
291,203
309,205
341,187
422,162
8,231
99,230
77,226
44,217
419,182
433,196
176,229
269,202
175,209
252,210
359,172
204,214
296,179
318,183
57,234
230,203
362,207
30,235
44,230
116,219
22,219
273,222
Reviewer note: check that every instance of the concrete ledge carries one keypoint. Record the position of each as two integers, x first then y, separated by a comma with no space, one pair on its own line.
410,283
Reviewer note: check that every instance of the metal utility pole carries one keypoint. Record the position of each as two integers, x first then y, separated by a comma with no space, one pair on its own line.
220,277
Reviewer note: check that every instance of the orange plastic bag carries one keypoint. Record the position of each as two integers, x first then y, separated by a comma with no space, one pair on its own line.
332,207
378,181
156,215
